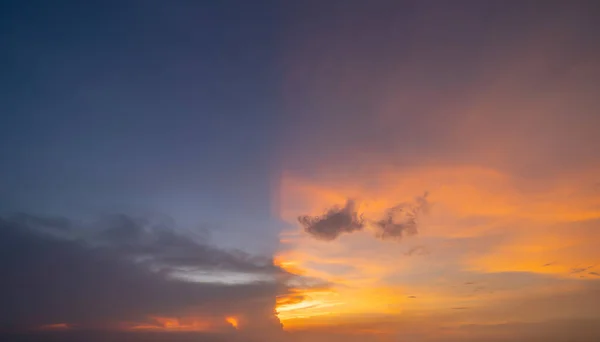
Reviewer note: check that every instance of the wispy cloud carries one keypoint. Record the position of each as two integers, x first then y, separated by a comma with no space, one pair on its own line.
577,270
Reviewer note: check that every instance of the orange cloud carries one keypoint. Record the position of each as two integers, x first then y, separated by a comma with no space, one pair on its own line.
167,324
509,159
233,321
535,226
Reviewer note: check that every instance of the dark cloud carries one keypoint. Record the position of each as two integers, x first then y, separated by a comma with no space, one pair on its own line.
121,229
121,270
402,219
594,274
164,246
88,335
399,221
333,223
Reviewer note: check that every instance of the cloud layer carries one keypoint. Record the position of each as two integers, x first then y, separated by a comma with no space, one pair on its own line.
118,272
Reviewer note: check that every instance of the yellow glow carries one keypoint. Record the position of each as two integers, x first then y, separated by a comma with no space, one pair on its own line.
233,321
482,221
175,324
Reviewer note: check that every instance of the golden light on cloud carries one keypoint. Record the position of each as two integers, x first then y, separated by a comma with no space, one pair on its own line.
233,321
483,224
175,324
306,303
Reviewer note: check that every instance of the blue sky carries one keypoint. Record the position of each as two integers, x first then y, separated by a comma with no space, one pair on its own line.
141,106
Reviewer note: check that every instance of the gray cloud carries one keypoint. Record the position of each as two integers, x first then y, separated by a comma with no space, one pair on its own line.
399,221
120,270
333,223
161,244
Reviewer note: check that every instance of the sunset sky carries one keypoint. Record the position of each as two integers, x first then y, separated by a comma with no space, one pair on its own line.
407,171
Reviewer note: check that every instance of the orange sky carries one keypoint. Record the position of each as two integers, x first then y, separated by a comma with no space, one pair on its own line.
425,171
488,251
510,164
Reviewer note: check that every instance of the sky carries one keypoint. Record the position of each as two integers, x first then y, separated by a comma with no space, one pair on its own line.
300,171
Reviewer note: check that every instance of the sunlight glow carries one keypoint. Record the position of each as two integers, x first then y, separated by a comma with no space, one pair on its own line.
175,324
233,321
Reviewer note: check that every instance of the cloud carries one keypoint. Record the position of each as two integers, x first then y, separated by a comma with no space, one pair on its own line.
578,270
121,336
556,330
121,270
402,219
161,244
333,223
398,221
